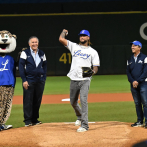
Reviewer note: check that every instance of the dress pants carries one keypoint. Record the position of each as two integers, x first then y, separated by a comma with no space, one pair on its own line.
32,98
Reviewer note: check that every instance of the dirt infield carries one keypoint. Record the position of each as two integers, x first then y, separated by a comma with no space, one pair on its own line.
100,134
107,97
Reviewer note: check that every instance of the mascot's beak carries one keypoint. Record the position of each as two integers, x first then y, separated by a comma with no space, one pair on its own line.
4,40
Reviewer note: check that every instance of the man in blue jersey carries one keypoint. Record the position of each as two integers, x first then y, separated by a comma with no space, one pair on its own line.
137,76
7,76
32,69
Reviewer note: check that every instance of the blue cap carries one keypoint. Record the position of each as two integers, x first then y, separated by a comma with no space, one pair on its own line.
136,43
84,32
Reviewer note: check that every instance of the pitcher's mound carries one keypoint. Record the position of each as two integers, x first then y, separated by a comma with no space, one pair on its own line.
100,134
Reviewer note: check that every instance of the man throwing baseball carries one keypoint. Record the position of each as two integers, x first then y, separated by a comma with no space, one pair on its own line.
83,56
137,76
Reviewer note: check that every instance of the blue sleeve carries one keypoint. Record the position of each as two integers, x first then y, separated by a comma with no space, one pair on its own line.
14,72
45,69
22,69
143,75
130,79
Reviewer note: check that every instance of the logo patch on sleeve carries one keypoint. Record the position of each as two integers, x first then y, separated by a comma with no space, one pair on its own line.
145,60
140,61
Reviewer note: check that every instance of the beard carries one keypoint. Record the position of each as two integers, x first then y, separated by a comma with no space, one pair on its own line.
83,42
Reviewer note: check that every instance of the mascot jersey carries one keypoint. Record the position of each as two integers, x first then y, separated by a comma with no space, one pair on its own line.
7,70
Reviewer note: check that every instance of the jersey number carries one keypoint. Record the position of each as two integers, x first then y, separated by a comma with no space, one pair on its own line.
63,58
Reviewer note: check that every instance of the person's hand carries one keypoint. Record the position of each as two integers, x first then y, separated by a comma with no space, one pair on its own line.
65,31
25,85
135,84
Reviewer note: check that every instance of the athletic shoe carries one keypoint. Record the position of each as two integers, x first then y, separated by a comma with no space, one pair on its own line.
6,127
77,123
137,124
81,129
37,123
145,126
1,128
28,124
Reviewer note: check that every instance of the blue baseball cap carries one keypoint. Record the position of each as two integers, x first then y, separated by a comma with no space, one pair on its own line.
84,32
136,43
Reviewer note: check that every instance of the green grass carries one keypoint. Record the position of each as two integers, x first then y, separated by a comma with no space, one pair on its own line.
109,84
99,84
106,111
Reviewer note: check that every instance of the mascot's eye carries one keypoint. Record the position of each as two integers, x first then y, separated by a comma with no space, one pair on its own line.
6,36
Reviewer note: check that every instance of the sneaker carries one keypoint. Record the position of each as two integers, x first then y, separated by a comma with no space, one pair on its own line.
77,123
137,124
81,129
28,124
37,123
145,126
6,127
1,128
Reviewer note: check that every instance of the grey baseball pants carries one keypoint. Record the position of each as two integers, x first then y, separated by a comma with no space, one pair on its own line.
82,88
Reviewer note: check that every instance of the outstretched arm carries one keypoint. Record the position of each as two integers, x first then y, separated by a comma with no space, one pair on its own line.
62,37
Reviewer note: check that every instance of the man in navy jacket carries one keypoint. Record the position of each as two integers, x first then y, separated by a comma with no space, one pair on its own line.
137,76
32,69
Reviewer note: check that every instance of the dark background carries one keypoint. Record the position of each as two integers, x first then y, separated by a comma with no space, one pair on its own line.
112,25
68,6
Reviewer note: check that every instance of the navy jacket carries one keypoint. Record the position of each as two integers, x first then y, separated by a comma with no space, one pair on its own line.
28,70
137,71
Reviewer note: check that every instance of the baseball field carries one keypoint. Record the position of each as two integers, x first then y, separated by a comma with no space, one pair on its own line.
111,111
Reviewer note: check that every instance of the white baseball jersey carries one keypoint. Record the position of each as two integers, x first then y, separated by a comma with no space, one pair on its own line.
82,56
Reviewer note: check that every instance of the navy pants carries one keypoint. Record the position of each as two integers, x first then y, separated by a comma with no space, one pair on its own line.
32,98
140,99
